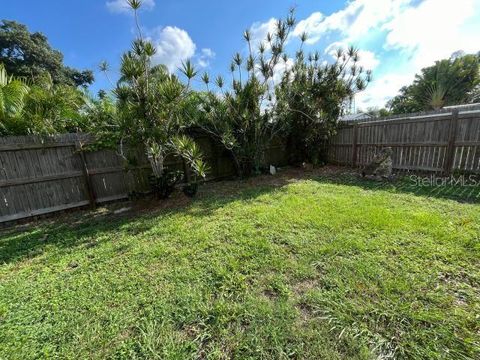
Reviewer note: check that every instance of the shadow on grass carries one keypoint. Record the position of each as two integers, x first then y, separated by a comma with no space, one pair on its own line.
468,192
85,228
91,228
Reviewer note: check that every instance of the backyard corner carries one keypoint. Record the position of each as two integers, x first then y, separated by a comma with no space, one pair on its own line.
240,180
306,264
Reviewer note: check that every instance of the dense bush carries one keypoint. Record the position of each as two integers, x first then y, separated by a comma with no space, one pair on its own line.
272,94
40,107
240,115
310,99
153,109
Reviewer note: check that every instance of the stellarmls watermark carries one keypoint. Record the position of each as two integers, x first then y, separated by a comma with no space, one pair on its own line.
434,180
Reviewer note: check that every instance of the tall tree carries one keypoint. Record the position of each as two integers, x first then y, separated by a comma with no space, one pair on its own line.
449,82
272,94
311,97
241,117
152,107
29,55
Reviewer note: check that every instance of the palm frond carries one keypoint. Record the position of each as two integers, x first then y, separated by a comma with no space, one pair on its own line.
12,94
188,69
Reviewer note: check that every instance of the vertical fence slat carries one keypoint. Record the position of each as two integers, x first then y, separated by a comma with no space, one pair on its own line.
86,175
452,134
354,145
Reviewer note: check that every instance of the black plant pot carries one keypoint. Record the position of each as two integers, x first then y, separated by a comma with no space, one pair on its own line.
190,190
164,186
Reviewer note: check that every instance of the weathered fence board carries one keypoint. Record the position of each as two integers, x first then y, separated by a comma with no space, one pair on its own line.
40,175
444,141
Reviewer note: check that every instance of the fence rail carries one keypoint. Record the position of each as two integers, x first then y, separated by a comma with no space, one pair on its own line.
444,142
42,175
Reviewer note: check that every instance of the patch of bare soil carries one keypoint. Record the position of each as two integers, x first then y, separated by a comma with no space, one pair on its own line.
304,286
178,200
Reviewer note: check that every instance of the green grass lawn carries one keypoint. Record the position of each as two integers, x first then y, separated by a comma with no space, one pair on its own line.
324,267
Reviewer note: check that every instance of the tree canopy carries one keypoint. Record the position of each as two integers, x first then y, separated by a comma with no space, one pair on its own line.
311,97
12,95
29,55
449,82
41,107
274,94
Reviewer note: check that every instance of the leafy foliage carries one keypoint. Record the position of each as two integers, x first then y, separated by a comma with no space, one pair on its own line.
311,98
153,107
42,108
29,55
378,112
272,95
52,109
240,117
186,148
449,82
164,185
12,100
100,117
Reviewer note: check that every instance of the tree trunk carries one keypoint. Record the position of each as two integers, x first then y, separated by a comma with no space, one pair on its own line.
157,164
186,172
236,163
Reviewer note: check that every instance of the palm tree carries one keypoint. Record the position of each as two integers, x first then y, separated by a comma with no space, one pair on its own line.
153,107
12,95
435,96
51,108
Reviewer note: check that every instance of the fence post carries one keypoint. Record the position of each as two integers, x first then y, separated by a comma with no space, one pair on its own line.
452,135
355,145
86,175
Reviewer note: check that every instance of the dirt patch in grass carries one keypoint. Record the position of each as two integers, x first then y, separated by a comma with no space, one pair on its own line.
304,286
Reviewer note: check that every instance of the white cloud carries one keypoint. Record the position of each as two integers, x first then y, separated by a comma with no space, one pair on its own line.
382,89
259,32
421,35
363,16
312,26
205,56
433,30
203,63
367,59
121,6
173,46
280,68
416,35
353,22
208,53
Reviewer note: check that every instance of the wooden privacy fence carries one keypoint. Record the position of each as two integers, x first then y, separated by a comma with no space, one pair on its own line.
41,175
445,141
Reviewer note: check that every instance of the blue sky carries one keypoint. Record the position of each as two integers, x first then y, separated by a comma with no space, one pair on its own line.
396,37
